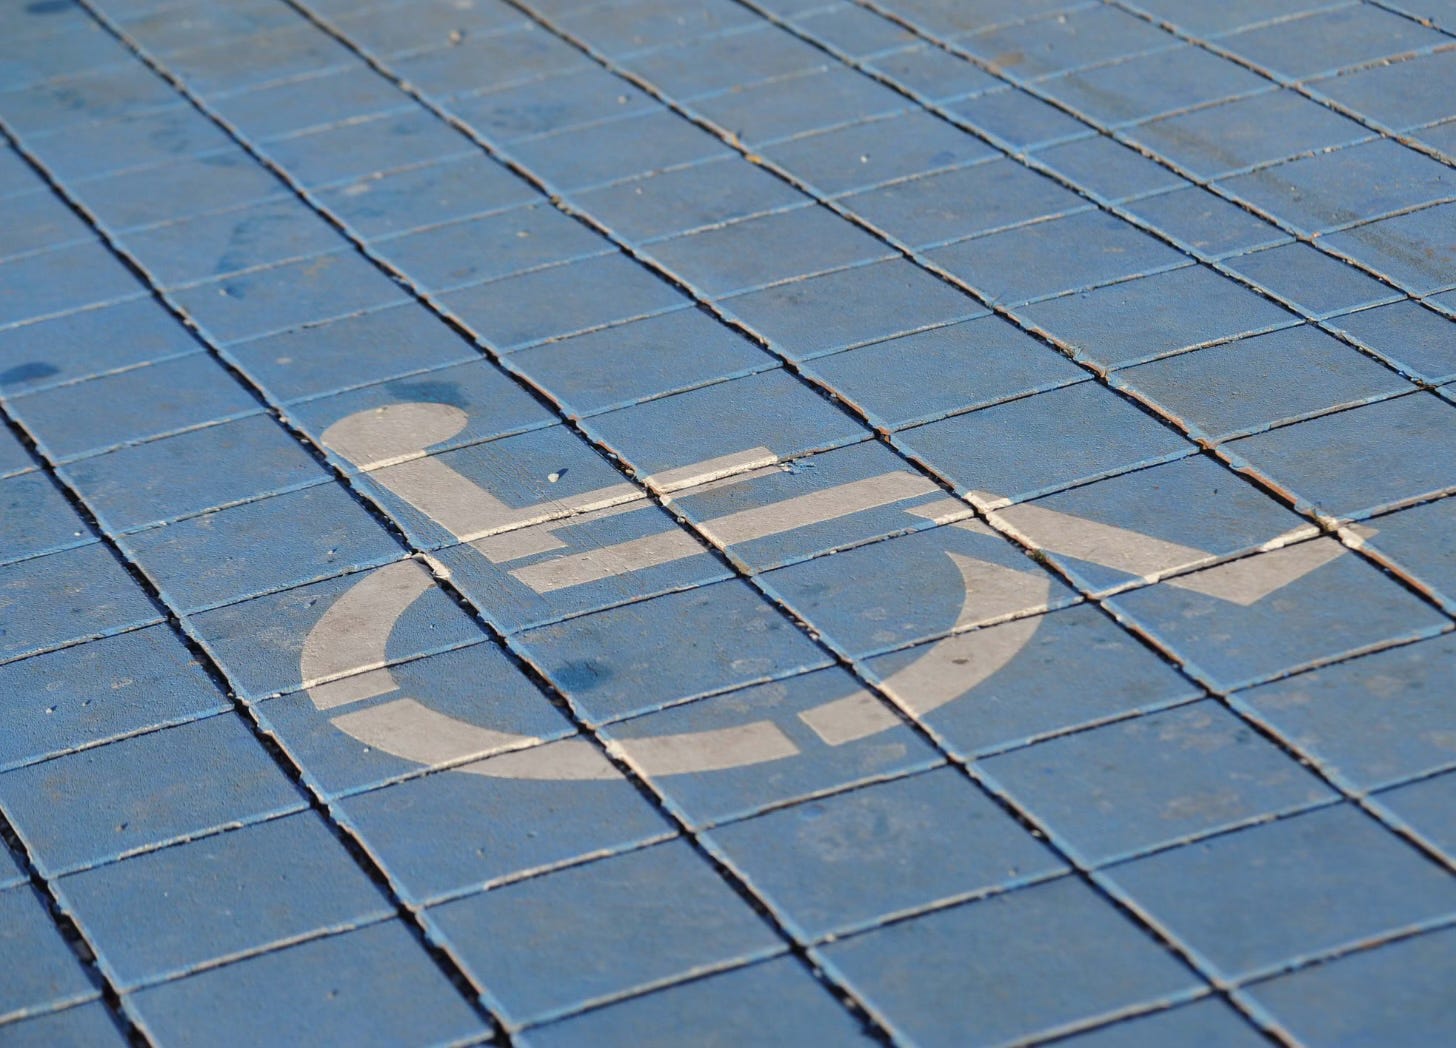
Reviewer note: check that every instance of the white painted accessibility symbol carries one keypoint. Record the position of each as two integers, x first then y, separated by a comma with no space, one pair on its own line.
392,443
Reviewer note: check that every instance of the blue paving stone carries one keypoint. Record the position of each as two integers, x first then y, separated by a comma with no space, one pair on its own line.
258,642
389,30
1083,36
293,107
1153,316
374,986
988,970
775,1002
90,342
1253,901
480,63
613,33
939,18
688,198
89,1024
62,280
810,763
852,30
1150,85
206,247
563,300
757,420
1413,251
162,31
562,102
39,221
1400,95
102,690
400,201
1369,722
16,176
1206,20
853,859
867,492
781,109
190,472
140,793
168,911
106,95
1019,120
189,186
84,50
548,945
1354,463
491,247
859,156
1068,669
1075,433
807,318
50,975
1193,503
1063,254
934,74
268,301
597,155
1399,992
1355,184
1311,281
1206,223
64,597
10,872
281,53
14,457
1250,384
1111,170
964,575
636,658
35,518
127,407
377,144
213,559
621,365
1152,781
961,203
1418,341
1208,1022
925,376
1422,542
474,827
1324,41
729,61
477,685
1246,132
148,140
1224,623
1426,807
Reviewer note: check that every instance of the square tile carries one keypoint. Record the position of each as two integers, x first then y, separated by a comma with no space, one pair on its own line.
1311,281
1251,902
576,98
1160,779
1206,223
1018,121
377,144
33,287
373,986
280,53
604,153
854,859
1204,20
190,186
1401,95
1412,251
1079,432
15,457
480,63
1081,37
640,657
612,34
36,518
1208,1021
1369,722
1153,316
89,1023
1421,541
51,975
87,98
389,30
851,30
190,472
11,873
727,61
40,221
932,73
1426,807
168,911
777,109
730,755
1151,85
1226,624
1324,41
598,931
292,107
101,690
1106,167
138,794
986,967
1418,341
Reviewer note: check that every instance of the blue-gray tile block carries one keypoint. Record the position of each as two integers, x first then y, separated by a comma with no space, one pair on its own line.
729,60
1069,669
1412,250
1418,341
195,185
702,797
10,872
1075,433
1248,385
593,932
480,63
162,34
1249,903
130,407
854,859
612,34
1325,41
619,149
382,30
931,73
1153,316
1399,95
465,829
88,1024
15,457
1018,121
43,973
40,221
76,594
1208,1022
162,913
1007,968
1150,85
275,53
377,144
561,102
1081,37
35,518
1207,21
1427,808
292,107
1206,223
82,50
1311,281
1356,463
636,658
137,794
774,1002
1394,994
99,691
1152,781
1422,542
372,987
198,470
1103,166
105,95
778,109
62,280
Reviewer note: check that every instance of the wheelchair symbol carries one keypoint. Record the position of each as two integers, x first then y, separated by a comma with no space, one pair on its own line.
343,661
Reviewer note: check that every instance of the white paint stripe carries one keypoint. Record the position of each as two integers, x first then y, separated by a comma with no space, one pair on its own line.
356,688
849,719
561,761
943,511
378,437
1253,578
699,751
417,733
352,635
951,667
817,507
1113,547
710,469
608,561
